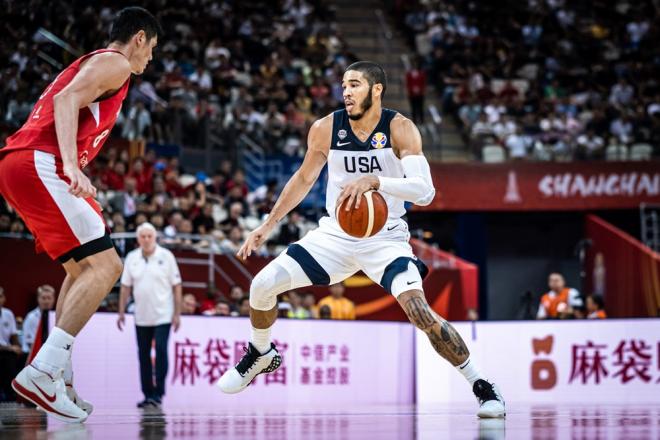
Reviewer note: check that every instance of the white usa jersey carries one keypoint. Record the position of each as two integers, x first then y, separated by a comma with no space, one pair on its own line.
349,159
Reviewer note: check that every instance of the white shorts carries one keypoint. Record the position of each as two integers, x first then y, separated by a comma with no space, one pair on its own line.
328,255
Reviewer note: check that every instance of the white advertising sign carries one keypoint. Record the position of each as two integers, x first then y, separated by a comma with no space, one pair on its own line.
599,361
325,362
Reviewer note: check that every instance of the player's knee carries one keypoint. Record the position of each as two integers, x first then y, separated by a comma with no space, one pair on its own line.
110,263
115,265
262,292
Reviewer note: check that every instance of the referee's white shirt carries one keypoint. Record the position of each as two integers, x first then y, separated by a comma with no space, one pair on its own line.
7,326
153,280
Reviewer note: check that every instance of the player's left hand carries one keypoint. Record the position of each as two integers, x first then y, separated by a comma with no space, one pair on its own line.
354,190
176,323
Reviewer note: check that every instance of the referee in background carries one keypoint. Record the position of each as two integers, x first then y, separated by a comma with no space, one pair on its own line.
153,275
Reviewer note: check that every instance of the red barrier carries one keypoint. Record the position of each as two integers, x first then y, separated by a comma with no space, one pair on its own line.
451,286
627,270
525,186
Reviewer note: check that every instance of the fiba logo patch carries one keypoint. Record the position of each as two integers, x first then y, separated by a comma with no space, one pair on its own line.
378,140
341,134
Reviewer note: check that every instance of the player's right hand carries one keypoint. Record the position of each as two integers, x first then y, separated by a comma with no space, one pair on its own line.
254,240
80,185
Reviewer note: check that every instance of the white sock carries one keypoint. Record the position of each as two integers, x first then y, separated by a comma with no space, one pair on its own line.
68,372
470,371
261,339
56,351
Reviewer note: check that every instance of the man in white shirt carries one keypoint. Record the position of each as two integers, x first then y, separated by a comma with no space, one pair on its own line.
45,301
153,275
9,350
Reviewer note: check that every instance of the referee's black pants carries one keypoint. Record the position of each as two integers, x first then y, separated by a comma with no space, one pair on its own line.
146,337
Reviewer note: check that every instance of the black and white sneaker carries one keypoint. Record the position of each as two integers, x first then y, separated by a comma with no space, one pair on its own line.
491,403
252,364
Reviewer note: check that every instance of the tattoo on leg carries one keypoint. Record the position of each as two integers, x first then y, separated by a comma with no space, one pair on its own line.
443,337
448,343
419,313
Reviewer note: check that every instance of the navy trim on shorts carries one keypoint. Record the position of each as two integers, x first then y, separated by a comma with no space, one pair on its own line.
85,250
316,274
398,266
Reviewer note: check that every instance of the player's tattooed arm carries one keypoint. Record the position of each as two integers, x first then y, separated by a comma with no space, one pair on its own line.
443,336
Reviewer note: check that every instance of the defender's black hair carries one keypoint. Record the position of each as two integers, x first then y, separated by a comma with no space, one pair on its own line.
129,21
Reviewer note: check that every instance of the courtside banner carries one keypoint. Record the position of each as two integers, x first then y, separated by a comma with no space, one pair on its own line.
544,186
325,363
590,361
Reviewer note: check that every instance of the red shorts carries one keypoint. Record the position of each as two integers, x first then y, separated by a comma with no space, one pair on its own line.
33,183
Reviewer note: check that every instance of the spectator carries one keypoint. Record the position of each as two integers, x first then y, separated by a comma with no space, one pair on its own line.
244,306
151,272
325,312
559,300
10,350
212,297
297,310
222,308
46,302
340,306
416,89
309,303
517,144
233,242
236,293
290,232
188,304
596,307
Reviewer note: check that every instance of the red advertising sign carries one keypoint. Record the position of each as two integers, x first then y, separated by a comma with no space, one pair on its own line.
523,186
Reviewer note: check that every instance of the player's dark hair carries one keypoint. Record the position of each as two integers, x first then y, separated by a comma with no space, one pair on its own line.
373,72
129,21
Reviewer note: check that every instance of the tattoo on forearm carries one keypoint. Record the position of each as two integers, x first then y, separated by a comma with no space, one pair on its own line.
419,313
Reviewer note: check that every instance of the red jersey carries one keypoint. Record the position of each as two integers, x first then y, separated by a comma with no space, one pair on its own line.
94,121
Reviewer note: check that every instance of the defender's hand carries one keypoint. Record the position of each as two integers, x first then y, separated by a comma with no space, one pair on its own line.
354,190
254,240
80,185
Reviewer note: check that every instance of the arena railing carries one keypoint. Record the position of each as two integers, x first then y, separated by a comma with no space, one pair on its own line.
207,247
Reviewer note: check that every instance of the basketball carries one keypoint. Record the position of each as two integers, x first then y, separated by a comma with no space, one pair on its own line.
365,221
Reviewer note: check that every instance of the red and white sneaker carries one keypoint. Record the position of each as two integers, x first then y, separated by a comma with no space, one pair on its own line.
79,401
48,393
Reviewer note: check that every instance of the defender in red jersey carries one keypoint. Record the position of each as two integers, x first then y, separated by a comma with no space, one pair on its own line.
42,179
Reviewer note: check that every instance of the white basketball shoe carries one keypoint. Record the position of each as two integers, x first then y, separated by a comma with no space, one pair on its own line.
48,393
253,363
491,403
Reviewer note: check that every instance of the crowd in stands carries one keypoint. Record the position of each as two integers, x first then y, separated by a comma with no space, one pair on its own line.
293,304
544,79
221,69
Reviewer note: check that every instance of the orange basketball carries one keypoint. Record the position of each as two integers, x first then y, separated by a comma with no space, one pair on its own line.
365,221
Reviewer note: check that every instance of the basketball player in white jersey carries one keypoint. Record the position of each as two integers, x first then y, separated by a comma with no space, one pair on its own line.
367,147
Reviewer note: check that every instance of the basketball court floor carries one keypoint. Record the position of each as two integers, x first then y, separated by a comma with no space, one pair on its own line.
371,423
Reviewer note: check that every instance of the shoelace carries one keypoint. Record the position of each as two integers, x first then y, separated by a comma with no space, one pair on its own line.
248,360
484,391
